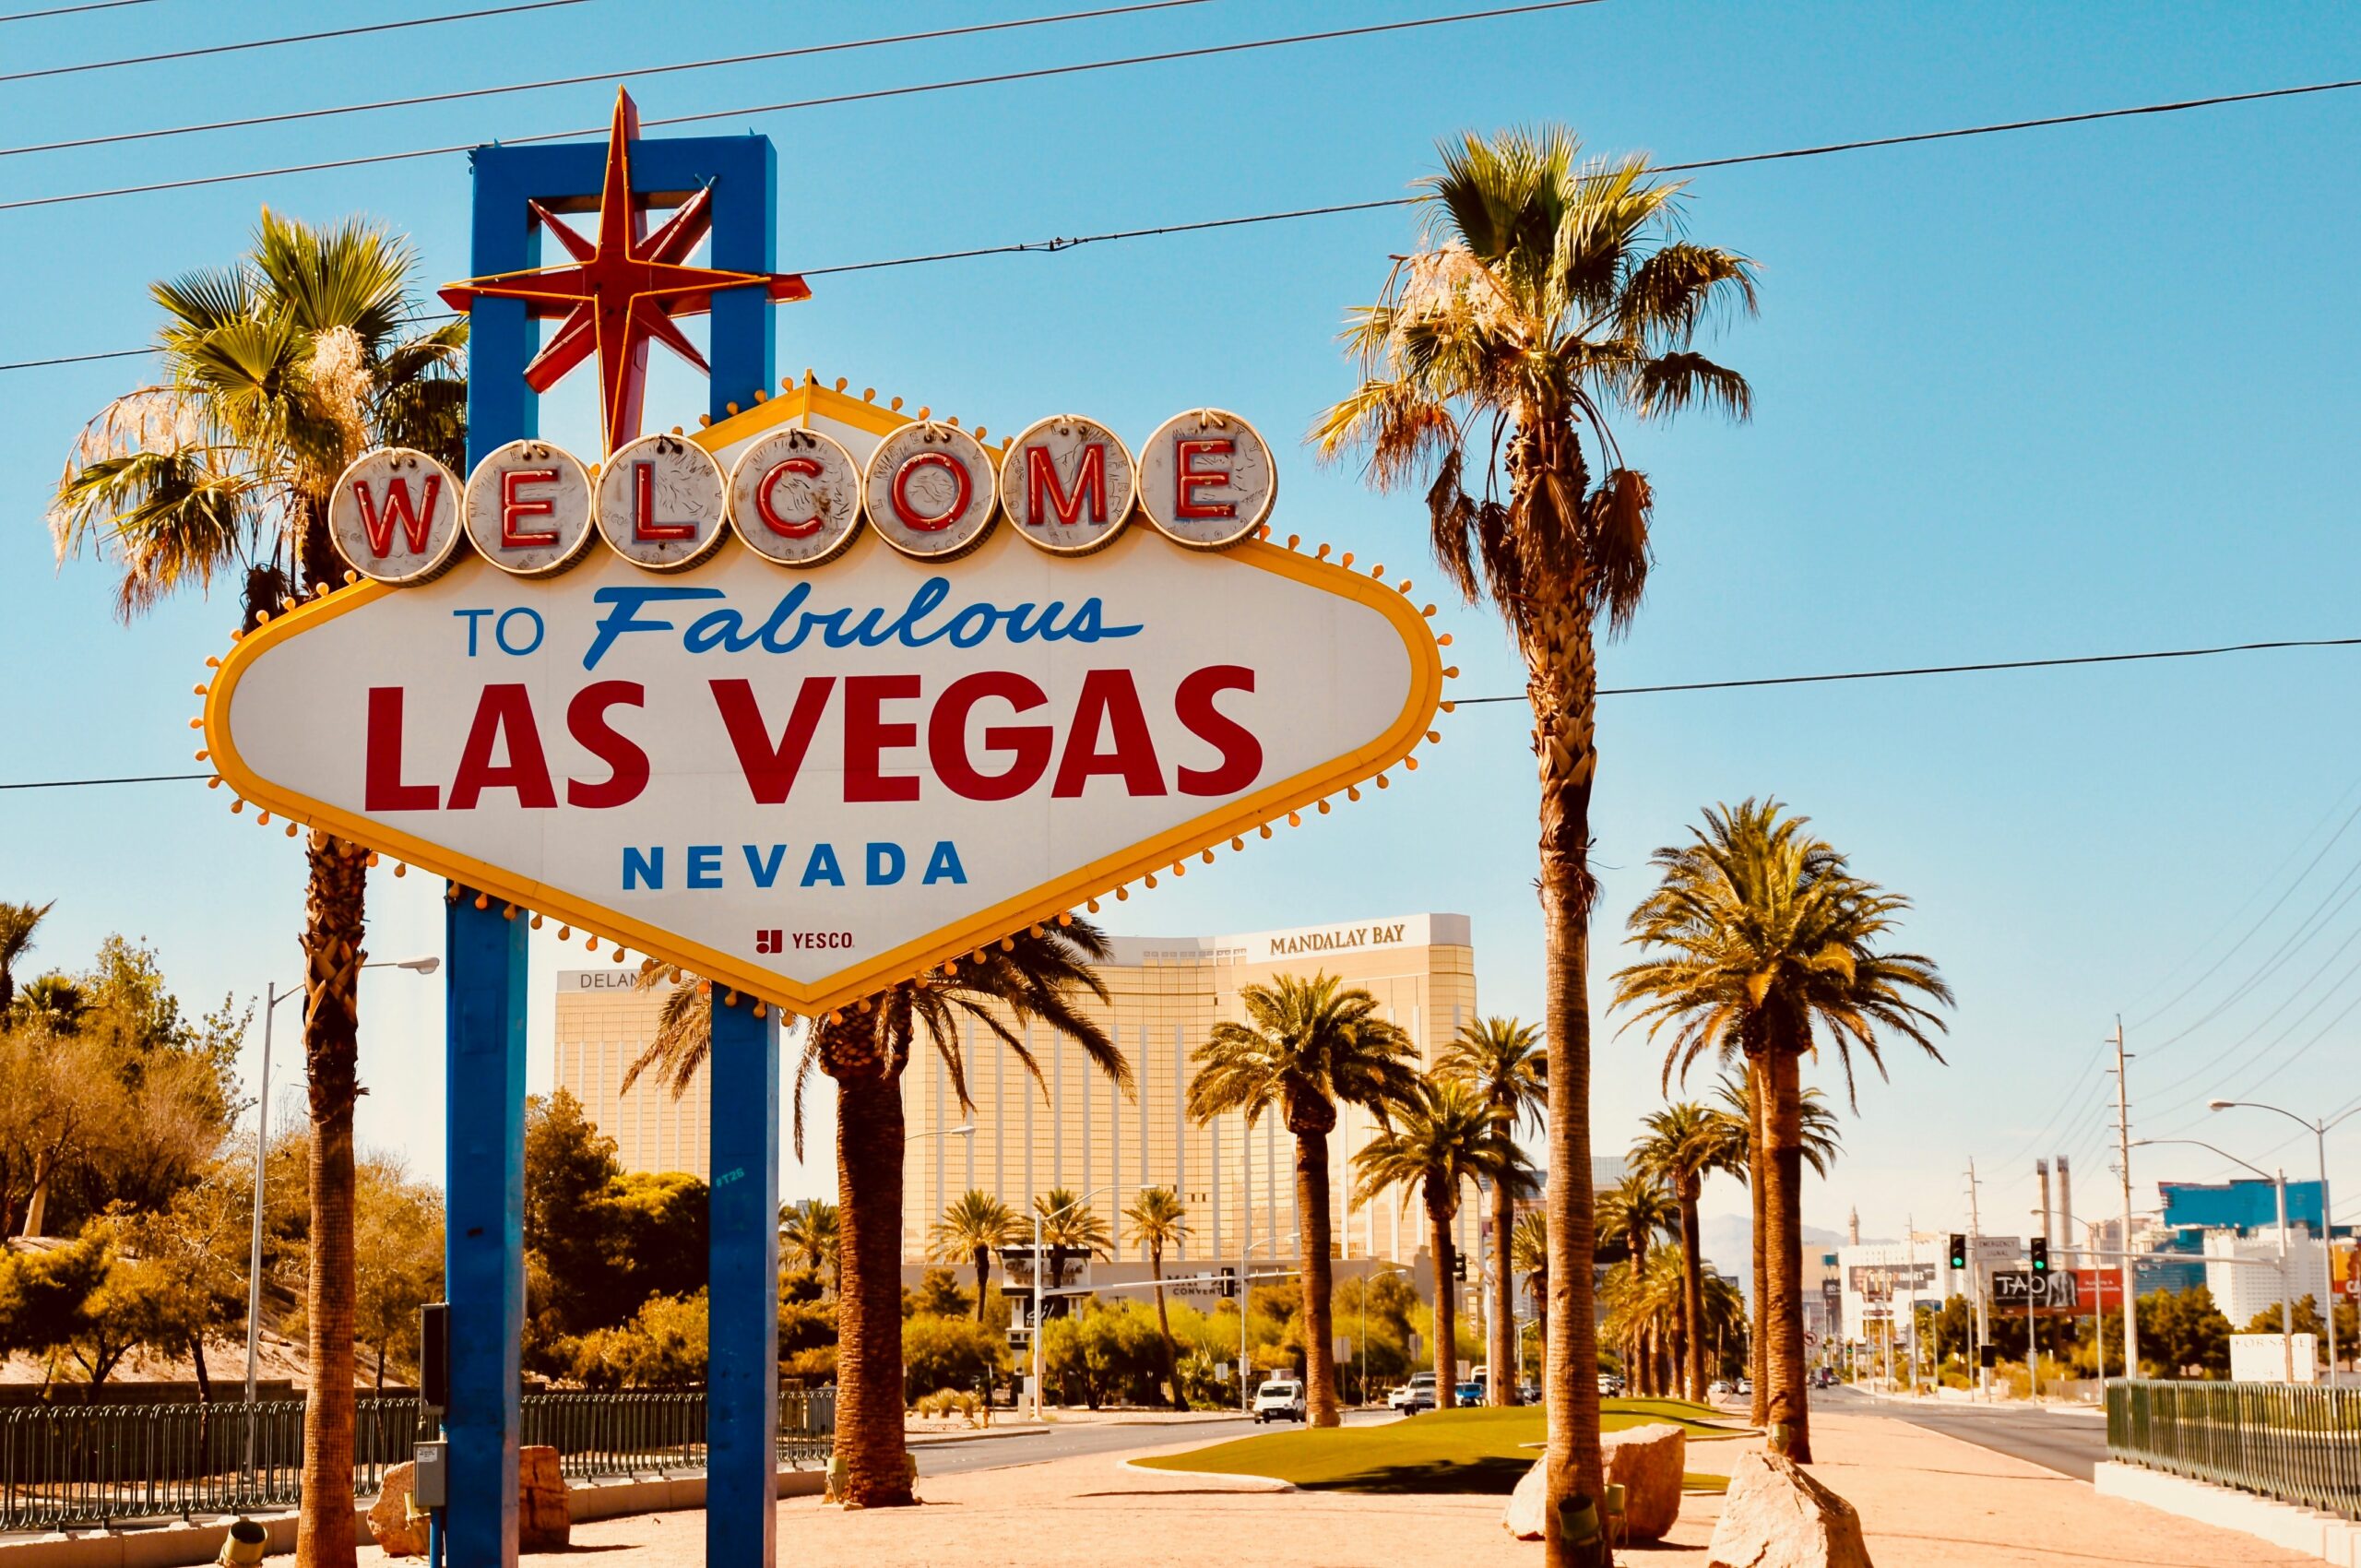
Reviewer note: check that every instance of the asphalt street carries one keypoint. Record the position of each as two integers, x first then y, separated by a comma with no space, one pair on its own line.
1037,1446
2071,1444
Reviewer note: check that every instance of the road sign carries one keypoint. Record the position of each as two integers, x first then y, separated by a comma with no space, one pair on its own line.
809,781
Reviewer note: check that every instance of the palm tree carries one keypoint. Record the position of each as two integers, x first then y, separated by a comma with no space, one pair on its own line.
1683,1144
1530,1256
970,1228
809,1230
17,923
1544,292
684,1037
1817,1128
275,373
1304,1046
1155,1220
1504,1062
1770,948
1439,1137
1631,1212
1067,1221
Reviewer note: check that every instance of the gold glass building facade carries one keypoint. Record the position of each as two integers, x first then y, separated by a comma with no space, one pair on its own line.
1077,1130
604,1021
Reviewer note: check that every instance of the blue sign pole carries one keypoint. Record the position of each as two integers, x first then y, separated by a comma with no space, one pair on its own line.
741,1376
483,1225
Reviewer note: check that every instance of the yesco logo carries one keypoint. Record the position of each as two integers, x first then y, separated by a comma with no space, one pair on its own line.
798,498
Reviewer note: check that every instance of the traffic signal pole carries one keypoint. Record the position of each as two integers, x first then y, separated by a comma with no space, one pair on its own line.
2123,1164
1975,1280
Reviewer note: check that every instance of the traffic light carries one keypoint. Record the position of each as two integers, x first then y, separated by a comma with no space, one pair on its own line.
1959,1253
1459,1269
2039,1248
1229,1284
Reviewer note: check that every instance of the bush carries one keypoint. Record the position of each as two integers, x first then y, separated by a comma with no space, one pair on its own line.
946,1402
941,1352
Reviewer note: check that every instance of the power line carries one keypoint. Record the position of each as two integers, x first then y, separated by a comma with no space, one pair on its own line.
832,100
1159,231
1604,691
71,10
290,38
635,73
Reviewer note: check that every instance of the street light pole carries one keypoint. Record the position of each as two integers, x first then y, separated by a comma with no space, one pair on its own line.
2320,1131
2286,1313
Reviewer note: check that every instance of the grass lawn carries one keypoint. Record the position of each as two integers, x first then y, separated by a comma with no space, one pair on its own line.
1479,1450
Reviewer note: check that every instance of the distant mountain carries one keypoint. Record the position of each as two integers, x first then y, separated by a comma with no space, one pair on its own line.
1728,1243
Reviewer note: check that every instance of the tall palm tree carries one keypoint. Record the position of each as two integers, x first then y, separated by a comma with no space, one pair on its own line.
684,1037
1067,1221
970,1228
1816,1128
1304,1046
809,1230
1769,947
275,373
1684,1144
17,923
1545,292
1504,1062
1530,1256
1439,1137
1632,1212
1157,1220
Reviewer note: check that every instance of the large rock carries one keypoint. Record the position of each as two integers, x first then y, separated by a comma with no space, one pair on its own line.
1524,1517
1776,1517
399,1529
1647,1462
544,1521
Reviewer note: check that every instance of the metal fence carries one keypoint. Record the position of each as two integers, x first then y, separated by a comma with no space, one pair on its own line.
65,1467
2298,1443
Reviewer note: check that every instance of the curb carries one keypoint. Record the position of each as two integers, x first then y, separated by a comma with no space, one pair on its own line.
2285,1524
1270,1484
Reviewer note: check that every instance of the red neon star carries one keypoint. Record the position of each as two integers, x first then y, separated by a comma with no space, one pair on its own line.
629,286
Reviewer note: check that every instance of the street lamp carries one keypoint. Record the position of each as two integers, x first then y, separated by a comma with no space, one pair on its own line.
1038,1217
273,996
966,1129
2286,1311
2320,1131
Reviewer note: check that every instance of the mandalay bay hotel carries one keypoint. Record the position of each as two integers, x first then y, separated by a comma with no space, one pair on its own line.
1077,1130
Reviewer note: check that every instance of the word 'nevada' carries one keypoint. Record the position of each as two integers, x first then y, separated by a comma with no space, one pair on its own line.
879,719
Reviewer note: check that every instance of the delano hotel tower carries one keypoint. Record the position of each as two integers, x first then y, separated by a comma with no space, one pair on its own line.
1164,994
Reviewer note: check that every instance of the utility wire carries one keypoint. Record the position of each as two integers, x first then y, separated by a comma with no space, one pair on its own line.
1604,691
1037,74
290,38
71,10
1055,245
635,73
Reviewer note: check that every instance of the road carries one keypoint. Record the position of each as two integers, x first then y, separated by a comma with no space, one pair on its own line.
1062,1442
2072,1445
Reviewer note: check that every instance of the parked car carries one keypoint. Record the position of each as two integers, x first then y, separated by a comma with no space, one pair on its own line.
1279,1399
1746,1386
1528,1394
1610,1385
1466,1394
1414,1395
1720,1390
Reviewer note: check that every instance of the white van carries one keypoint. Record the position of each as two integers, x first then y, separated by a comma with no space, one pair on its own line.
1279,1399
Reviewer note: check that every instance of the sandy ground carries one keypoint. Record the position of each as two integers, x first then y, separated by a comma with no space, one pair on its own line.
1928,1501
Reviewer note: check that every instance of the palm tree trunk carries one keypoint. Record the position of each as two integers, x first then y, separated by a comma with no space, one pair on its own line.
983,1279
1501,1389
334,914
1164,1328
1319,1279
1564,694
869,1291
1789,1412
1758,1188
1692,1293
1446,1309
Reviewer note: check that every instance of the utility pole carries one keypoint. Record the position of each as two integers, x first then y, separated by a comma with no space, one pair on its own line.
2123,1164
1976,1279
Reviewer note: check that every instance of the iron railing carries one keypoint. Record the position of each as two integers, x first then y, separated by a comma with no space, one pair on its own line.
69,1467
2300,1445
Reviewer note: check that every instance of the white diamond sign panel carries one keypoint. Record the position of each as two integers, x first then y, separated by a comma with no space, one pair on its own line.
808,784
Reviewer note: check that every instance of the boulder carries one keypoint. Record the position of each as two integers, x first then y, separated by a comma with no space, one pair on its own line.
1524,1517
544,1523
399,1529
1647,1462
1776,1517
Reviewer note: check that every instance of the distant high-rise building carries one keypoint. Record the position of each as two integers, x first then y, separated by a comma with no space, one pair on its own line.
604,1021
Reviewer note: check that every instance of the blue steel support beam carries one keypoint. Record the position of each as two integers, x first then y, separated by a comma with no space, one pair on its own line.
484,1208
741,1378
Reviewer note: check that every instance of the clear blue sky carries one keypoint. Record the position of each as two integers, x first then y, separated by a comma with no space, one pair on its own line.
2068,391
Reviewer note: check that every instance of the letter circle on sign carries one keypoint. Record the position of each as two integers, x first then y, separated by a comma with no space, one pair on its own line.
395,515
1207,479
928,492
1067,483
528,508
661,502
795,497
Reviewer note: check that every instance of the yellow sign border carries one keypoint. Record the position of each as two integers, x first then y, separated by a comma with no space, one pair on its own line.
1044,902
